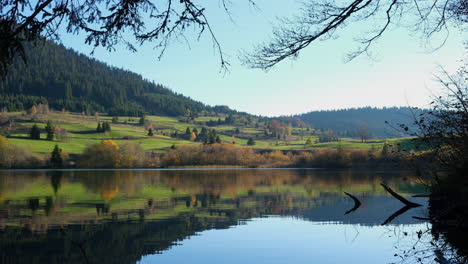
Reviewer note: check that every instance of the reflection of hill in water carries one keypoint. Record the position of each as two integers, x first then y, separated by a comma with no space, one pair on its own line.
119,216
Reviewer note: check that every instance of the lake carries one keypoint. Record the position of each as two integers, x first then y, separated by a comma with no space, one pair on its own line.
210,216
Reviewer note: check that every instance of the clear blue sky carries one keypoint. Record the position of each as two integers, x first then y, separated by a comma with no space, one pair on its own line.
400,74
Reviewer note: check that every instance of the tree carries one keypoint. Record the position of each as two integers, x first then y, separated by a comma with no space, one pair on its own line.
56,159
322,20
150,132
106,127
111,23
187,131
60,134
115,120
32,110
99,128
218,140
445,127
212,136
363,132
309,141
50,131
102,22
193,136
250,142
35,132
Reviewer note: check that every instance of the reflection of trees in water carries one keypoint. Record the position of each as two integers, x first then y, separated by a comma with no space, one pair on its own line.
130,182
119,242
445,239
296,189
123,241
213,199
449,217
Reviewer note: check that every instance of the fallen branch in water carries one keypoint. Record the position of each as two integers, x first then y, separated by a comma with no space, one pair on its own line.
399,197
357,203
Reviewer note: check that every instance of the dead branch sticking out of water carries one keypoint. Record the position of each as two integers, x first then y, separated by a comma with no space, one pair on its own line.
399,197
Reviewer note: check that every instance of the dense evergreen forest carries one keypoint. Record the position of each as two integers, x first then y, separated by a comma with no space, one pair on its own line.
349,122
63,78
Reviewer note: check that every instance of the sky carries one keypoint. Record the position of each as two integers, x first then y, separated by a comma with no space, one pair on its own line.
400,72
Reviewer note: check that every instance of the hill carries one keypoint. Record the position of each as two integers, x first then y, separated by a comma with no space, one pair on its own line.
347,122
63,78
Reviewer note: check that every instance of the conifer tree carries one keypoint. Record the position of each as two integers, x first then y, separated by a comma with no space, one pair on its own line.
35,132
50,131
251,142
150,132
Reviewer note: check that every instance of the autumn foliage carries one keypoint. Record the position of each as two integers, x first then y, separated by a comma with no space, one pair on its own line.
108,154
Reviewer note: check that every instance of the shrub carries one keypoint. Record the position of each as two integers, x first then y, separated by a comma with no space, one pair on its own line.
108,154
14,157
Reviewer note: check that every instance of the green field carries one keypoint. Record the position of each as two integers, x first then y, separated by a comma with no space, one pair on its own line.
81,132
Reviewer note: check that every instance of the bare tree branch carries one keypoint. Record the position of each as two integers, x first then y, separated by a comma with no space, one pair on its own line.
321,20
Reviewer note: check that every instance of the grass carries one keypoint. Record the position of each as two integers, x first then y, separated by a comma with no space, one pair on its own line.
82,133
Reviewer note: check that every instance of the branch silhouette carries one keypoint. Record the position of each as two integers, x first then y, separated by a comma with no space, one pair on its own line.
357,203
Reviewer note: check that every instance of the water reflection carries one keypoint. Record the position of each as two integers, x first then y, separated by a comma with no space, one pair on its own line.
120,216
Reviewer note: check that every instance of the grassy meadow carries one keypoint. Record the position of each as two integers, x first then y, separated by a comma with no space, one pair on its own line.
81,133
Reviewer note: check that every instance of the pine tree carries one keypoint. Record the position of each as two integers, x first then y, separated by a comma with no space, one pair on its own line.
99,128
35,132
56,157
50,131
218,140
251,142
187,131
212,137
150,132
104,128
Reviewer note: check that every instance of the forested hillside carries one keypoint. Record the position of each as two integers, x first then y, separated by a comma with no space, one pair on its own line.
63,78
348,122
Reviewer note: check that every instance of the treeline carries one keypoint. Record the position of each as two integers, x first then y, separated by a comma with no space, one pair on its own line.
63,78
229,155
108,154
347,122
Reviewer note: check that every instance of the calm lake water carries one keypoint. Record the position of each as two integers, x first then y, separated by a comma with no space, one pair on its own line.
209,216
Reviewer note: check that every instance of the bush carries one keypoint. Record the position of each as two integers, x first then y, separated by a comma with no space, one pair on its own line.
108,154
14,157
